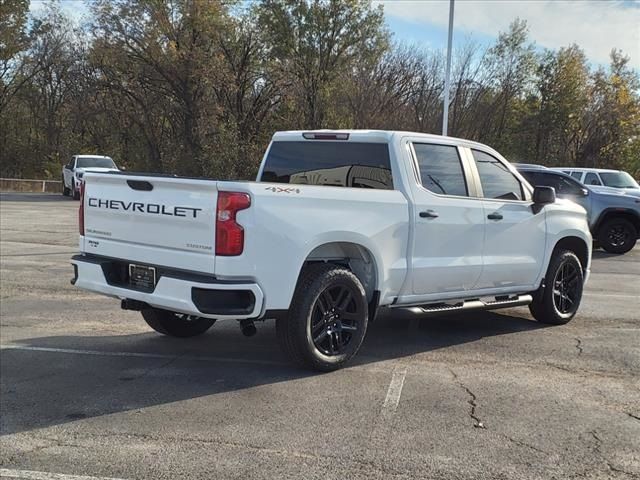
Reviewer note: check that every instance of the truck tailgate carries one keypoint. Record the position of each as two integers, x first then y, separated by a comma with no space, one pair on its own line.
150,219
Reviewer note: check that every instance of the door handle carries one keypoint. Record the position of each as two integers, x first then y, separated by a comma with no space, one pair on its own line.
495,216
429,214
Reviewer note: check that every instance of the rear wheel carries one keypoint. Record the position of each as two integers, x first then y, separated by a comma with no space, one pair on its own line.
617,235
328,318
176,324
558,302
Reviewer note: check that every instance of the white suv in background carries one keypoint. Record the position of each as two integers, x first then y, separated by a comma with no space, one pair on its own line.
73,172
603,177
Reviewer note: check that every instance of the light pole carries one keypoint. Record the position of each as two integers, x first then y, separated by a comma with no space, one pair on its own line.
447,75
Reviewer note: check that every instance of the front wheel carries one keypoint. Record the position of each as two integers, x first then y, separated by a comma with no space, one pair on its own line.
617,235
74,192
328,318
558,302
176,324
65,190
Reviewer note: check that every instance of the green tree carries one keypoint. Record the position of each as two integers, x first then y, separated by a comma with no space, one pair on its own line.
563,92
511,64
315,42
613,136
170,47
14,40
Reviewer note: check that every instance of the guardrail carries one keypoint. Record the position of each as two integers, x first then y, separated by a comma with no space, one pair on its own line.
30,185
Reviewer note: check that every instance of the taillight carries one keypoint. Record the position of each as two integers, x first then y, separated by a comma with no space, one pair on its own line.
229,234
81,210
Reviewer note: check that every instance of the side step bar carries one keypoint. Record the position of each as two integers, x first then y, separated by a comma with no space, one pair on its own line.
440,308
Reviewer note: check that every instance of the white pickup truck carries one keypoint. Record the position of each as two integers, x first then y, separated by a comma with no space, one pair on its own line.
337,225
73,172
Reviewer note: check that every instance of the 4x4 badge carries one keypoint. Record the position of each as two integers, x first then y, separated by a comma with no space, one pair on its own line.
283,189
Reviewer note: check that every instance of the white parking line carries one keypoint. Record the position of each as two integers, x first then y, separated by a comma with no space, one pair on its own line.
73,351
32,475
395,390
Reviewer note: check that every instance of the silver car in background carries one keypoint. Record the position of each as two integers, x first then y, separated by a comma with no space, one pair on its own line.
613,214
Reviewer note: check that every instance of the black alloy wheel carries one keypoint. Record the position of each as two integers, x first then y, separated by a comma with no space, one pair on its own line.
618,235
558,300
566,288
327,320
335,319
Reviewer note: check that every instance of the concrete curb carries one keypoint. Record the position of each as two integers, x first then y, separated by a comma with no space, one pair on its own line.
30,185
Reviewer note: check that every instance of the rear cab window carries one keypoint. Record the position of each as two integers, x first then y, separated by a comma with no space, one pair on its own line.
329,163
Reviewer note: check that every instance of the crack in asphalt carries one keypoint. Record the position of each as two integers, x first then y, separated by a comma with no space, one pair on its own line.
524,444
472,401
579,346
598,449
632,415
54,442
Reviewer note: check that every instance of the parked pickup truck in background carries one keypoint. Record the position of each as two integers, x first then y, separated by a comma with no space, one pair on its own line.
73,171
338,225
613,215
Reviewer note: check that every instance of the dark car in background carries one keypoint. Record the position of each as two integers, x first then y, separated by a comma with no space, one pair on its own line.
614,217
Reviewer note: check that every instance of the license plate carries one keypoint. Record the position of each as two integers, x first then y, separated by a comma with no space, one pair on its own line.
141,276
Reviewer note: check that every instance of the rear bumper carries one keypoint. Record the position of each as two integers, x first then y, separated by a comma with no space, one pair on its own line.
181,292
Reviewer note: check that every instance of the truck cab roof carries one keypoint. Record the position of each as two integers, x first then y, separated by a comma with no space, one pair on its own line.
367,136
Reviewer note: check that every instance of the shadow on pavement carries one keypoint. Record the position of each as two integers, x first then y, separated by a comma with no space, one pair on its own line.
41,389
598,254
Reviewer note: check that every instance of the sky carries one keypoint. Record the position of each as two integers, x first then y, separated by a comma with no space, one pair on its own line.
596,26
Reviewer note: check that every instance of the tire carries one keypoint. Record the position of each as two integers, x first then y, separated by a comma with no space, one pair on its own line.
65,190
176,324
559,301
617,235
74,192
329,304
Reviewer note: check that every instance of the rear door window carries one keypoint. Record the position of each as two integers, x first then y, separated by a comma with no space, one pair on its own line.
440,169
592,179
566,186
534,178
496,179
562,185
576,175
330,163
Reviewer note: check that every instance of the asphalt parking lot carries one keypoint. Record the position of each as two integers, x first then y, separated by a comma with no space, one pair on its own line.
89,390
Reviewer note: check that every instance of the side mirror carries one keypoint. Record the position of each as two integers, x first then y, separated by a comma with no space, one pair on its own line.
585,192
122,167
544,195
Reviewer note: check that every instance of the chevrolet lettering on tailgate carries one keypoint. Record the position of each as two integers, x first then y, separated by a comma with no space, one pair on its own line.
152,208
